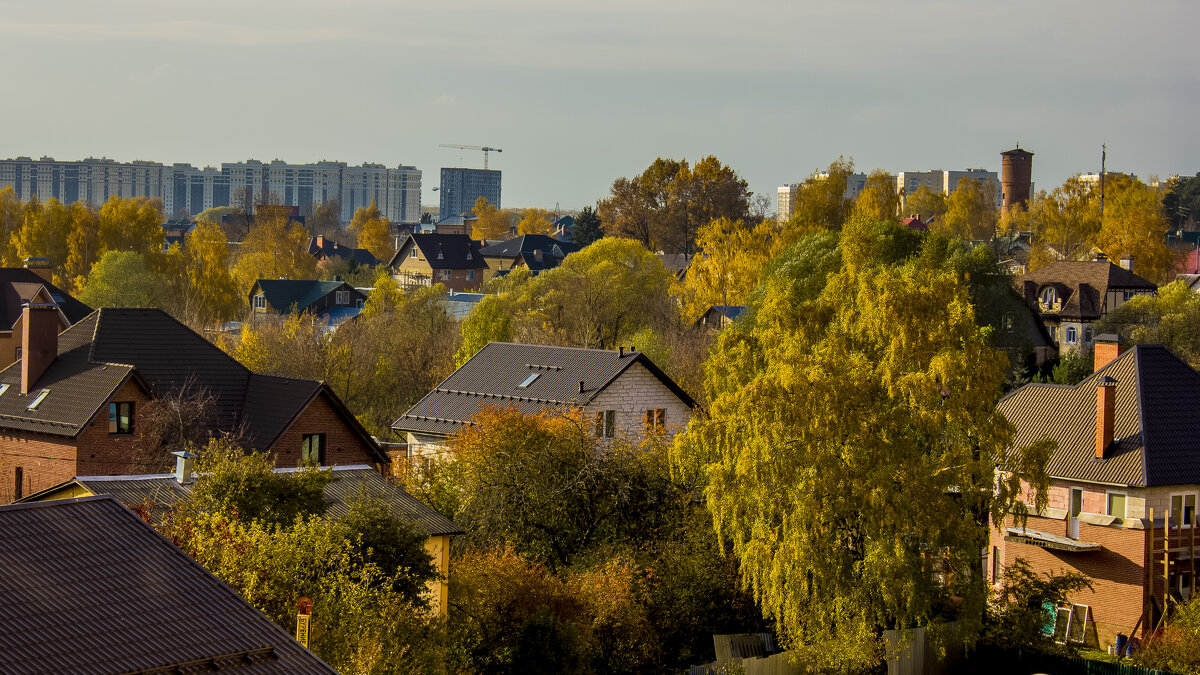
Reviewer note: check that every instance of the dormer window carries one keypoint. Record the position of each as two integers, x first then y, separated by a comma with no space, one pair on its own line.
470,256
440,256
1048,300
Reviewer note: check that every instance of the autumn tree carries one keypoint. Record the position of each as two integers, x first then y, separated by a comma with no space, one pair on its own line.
44,233
664,206
326,220
926,203
878,201
971,211
1167,318
729,261
132,225
820,203
275,248
587,227
491,223
363,215
1134,222
121,279
853,453
376,236
10,224
203,290
536,221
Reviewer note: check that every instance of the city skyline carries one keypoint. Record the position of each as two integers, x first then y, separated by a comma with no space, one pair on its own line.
581,95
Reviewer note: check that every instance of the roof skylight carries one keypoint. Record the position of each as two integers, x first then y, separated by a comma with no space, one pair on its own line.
38,400
3,388
529,380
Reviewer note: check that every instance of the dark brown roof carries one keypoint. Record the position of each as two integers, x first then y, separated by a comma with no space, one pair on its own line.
19,285
88,587
492,376
1081,285
1157,415
442,251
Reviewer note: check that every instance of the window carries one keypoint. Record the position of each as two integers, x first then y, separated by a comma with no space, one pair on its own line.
1087,335
655,420
260,301
1008,322
1116,506
38,399
1126,295
470,275
358,303
413,252
606,423
120,417
1183,506
341,297
312,449
443,275
995,565
440,255
3,388
529,380
470,256
18,483
1072,335
1053,333
1048,297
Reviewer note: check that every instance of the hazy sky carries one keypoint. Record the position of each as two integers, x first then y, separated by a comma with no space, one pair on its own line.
578,94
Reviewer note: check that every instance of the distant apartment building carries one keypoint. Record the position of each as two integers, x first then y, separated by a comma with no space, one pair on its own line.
461,187
945,182
397,192
786,194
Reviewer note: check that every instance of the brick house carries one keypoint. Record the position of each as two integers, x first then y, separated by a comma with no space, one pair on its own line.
1127,466
621,393
534,252
1069,296
452,260
330,301
23,285
82,403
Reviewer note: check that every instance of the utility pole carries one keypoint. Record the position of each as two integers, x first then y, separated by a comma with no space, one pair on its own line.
1103,156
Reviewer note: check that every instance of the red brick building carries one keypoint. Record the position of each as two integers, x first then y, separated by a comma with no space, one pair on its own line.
82,402
1126,477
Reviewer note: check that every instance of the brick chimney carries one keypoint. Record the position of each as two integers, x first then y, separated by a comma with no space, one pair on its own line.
1106,396
40,267
320,241
39,341
1107,348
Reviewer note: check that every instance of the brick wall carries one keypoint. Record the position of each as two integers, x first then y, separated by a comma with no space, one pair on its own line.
342,446
631,395
105,454
45,461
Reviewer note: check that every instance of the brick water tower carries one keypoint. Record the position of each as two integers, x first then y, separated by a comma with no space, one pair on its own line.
1016,176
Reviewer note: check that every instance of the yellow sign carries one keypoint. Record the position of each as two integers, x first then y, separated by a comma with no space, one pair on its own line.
302,628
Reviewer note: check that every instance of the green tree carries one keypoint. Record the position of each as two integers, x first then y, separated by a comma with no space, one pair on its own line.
1017,612
1168,318
587,227
1182,201
853,453
1176,649
121,279
490,321
729,261
926,203
820,203
395,546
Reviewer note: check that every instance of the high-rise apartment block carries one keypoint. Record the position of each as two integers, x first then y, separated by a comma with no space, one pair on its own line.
397,192
785,200
946,182
461,187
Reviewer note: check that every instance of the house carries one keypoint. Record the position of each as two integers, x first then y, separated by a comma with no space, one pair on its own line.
91,588
350,482
534,252
452,260
1069,296
1192,281
914,222
1127,463
330,301
564,229
85,402
31,284
464,224
326,250
720,316
621,392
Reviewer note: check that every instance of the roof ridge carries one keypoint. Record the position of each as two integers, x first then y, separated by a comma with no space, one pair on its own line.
17,506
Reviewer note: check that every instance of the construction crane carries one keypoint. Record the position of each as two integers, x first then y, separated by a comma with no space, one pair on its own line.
485,150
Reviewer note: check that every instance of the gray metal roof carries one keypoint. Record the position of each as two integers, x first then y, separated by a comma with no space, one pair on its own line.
88,587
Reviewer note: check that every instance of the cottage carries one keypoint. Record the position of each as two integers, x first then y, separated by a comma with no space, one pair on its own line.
328,250
331,302
453,260
533,252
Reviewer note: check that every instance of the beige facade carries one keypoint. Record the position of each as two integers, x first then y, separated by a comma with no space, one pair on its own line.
629,398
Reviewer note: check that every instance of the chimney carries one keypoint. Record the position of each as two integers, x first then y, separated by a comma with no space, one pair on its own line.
184,461
320,241
1127,261
621,352
581,386
1106,394
39,341
1100,257
1107,348
40,267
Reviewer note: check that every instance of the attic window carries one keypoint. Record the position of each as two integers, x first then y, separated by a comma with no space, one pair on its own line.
38,399
470,256
529,380
3,388
440,256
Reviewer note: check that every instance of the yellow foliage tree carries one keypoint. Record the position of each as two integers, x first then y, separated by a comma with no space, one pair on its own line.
275,248
925,203
1134,222
362,216
971,211
536,221
728,265
491,223
821,203
375,235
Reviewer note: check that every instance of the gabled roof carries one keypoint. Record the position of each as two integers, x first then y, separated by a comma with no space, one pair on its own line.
443,251
288,295
97,355
732,312
19,285
493,375
1081,285
528,243
163,490
1157,415
331,249
88,587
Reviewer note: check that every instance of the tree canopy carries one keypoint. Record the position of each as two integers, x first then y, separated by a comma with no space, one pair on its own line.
1167,318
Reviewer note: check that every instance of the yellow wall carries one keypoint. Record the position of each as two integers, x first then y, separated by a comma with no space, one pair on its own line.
438,590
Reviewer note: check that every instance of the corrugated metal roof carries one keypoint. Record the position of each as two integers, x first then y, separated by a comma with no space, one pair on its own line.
88,587
1157,412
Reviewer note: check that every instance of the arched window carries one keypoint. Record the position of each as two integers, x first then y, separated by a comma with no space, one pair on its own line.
1048,295
1072,335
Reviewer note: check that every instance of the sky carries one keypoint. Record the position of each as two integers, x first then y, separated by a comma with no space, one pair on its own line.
579,94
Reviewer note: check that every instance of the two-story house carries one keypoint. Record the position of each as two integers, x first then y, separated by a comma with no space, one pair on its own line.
620,392
452,260
534,252
1127,464
84,403
330,301
31,284
1069,296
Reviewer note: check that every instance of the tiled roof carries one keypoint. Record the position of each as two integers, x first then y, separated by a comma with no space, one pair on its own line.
443,251
332,249
1157,406
19,285
164,490
493,375
287,295
88,587
1081,285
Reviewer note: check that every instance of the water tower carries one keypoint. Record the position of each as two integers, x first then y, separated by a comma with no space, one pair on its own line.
1016,176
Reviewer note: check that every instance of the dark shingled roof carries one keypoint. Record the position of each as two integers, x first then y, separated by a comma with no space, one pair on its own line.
452,248
1157,414
88,587
19,285
492,376
528,243
1081,286
97,355
287,295
332,249
162,490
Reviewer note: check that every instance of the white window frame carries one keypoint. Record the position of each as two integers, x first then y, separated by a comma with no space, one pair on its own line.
1072,334
412,253
260,301
1183,501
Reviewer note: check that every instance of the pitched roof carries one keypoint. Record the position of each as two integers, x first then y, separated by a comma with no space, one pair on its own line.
19,285
494,374
1157,406
88,587
1081,285
731,311
98,354
528,243
287,295
444,251
331,249
164,490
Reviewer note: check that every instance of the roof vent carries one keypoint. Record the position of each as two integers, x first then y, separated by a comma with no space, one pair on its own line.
183,466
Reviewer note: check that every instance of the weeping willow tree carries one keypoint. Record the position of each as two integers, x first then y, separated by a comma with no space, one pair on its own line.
852,452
